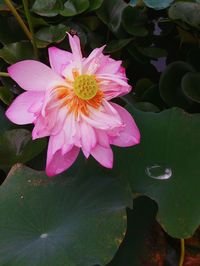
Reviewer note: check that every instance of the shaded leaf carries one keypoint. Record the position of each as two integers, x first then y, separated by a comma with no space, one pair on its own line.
187,12
191,86
164,166
48,8
117,45
51,34
14,52
74,7
134,20
110,13
16,145
5,95
82,215
170,83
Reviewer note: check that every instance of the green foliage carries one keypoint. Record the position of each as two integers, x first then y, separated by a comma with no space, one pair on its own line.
165,167
82,215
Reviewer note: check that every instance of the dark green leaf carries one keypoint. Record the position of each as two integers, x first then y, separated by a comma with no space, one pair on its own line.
187,12
74,7
52,34
14,52
170,83
117,45
48,8
5,95
134,20
95,4
191,86
164,166
111,12
73,219
16,145
4,122
153,52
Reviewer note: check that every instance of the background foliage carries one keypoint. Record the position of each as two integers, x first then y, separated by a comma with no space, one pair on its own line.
81,217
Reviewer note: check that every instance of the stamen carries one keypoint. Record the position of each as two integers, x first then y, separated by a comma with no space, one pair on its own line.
85,87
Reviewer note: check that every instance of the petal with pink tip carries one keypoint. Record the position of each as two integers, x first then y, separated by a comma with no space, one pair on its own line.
103,155
59,59
76,48
32,75
57,162
130,135
88,138
19,111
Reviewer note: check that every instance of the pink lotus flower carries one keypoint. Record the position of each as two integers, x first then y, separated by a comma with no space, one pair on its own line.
70,103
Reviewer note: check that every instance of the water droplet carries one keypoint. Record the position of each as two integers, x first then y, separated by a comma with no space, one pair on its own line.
158,172
45,235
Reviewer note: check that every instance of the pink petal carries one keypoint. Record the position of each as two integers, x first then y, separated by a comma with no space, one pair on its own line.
88,138
59,59
103,155
40,129
102,138
130,135
34,76
92,63
57,162
109,66
76,48
19,111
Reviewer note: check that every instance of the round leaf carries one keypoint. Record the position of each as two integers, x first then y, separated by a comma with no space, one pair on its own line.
77,220
191,86
165,167
170,83
187,12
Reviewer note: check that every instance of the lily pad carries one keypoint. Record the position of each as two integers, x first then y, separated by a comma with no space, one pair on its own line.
75,219
16,145
165,167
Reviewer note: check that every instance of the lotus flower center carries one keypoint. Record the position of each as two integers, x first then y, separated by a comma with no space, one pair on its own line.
85,87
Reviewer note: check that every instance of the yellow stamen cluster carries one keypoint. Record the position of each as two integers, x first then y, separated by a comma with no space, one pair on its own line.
85,87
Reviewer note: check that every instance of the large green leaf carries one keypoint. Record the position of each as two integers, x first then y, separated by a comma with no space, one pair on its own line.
74,219
74,7
170,83
110,13
51,34
95,4
48,8
14,52
16,145
165,167
186,12
134,20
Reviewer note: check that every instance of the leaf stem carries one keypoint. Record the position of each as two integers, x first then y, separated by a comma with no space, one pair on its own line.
28,17
182,256
4,74
19,19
